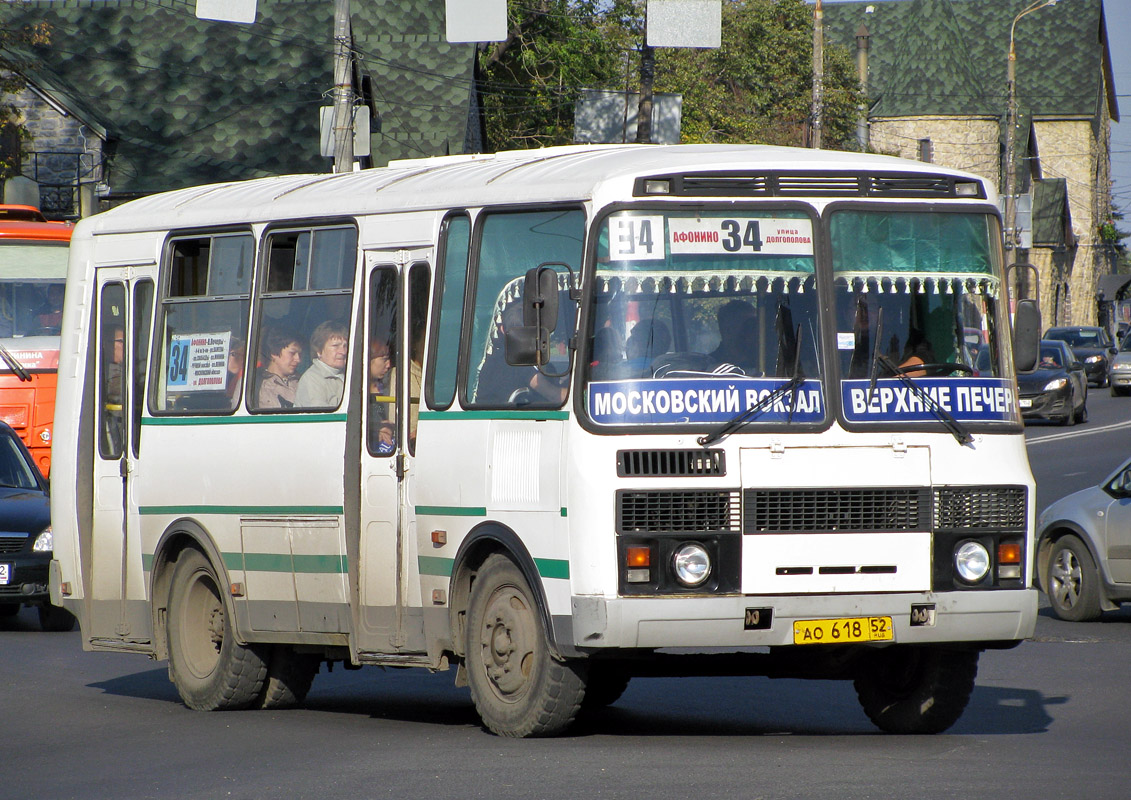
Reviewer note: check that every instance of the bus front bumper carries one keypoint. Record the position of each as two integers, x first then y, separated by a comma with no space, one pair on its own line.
742,621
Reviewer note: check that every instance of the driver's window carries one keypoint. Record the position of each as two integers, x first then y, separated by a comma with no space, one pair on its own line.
509,245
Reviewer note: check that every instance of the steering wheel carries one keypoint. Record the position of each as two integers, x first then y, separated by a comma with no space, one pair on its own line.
938,368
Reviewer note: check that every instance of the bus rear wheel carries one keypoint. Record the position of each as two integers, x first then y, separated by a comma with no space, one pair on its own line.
289,677
914,689
519,689
211,670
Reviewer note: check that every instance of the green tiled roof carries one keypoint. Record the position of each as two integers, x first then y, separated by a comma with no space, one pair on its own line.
948,57
188,101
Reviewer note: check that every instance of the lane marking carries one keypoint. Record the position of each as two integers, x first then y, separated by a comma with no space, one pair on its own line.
1054,437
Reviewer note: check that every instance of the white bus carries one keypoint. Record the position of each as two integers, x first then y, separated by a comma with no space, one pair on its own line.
555,418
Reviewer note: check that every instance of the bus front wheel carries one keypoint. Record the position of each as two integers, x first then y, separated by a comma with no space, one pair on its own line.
211,670
518,687
915,689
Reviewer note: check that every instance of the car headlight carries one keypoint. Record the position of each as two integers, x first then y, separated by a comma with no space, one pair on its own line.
1054,384
1119,366
972,561
1093,359
692,564
44,543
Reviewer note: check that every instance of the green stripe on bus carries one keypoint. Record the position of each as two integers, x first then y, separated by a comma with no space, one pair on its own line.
258,419
249,511
451,511
463,416
442,567
274,562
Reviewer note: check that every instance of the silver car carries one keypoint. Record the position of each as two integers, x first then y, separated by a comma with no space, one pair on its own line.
1084,549
1119,370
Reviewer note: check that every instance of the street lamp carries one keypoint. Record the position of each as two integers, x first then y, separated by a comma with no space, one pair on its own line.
1011,237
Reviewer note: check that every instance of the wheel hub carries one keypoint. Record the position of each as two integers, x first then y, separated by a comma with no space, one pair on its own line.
508,638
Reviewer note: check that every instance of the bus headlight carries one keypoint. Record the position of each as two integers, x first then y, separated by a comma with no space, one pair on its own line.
972,561
691,564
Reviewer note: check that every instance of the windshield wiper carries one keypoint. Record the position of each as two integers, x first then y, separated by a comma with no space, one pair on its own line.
743,417
14,364
960,434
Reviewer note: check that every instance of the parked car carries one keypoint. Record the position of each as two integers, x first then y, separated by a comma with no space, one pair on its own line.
1084,549
25,536
1057,389
1119,371
1093,347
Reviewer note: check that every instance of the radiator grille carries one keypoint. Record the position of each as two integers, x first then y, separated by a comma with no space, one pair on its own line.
980,507
804,510
12,543
706,511
670,463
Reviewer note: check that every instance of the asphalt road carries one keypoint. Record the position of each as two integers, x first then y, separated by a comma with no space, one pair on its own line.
1046,719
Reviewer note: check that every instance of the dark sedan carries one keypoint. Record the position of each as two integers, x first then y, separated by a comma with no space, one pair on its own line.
25,536
1057,389
1093,348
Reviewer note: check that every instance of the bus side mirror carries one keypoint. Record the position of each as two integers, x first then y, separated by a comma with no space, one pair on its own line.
1026,335
530,344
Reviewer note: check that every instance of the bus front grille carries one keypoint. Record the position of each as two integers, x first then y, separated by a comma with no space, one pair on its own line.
699,511
828,510
976,508
670,463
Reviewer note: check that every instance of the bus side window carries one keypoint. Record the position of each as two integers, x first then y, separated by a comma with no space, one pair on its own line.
418,290
448,316
111,369
204,319
381,390
301,331
510,244
143,317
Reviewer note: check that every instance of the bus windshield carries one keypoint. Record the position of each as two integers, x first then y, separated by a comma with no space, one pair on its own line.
919,294
32,276
699,314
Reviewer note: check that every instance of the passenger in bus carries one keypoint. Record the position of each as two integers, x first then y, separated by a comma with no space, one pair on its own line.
278,382
323,383
382,394
646,342
415,378
50,312
237,355
737,320
112,390
607,355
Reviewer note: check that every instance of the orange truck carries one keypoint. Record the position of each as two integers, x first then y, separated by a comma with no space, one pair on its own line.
33,273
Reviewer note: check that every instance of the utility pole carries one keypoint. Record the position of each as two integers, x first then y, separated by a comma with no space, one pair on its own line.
343,87
1011,235
647,79
818,73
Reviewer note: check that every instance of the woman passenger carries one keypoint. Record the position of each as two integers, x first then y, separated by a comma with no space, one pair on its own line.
279,381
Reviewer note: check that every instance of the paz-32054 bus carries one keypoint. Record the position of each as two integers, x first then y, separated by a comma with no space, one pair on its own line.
555,418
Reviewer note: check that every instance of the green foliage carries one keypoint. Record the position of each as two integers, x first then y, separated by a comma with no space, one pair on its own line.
756,88
12,133
554,48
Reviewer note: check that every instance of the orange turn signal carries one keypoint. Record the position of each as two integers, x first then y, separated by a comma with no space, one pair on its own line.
1009,553
638,556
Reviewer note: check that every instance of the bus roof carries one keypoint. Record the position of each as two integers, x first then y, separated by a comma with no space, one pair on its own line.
28,223
554,174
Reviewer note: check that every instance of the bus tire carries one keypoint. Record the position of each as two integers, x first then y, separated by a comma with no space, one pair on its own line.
211,670
604,685
519,689
289,676
916,689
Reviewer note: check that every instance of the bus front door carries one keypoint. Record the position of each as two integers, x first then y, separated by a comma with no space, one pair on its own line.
388,620
116,593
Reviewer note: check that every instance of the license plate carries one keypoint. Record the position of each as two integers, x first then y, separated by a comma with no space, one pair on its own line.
5,574
1025,402
840,631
